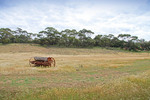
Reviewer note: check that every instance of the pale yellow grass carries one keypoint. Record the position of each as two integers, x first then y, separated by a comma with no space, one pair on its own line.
19,62
15,58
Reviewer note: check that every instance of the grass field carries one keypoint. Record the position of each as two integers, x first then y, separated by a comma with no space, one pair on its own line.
80,74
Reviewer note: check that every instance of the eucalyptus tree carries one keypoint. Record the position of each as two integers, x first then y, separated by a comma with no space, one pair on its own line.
22,36
69,37
85,38
98,40
50,36
5,35
115,42
129,42
124,37
105,41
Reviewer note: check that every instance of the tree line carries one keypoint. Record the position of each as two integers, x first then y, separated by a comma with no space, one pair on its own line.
73,38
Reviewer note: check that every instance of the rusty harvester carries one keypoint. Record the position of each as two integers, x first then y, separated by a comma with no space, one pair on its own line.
42,61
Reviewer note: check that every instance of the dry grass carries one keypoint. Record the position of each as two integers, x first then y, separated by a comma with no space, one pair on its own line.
75,68
19,62
134,87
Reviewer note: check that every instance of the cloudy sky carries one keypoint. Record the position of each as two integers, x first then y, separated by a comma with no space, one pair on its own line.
100,16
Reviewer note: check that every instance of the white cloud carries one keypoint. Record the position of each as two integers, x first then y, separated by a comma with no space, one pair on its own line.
100,18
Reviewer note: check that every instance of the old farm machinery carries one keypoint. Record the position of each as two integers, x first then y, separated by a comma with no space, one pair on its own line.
42,61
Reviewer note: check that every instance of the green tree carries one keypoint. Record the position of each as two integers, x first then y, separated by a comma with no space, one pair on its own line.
22,36
51,36
69,37
129,42
5,35
84,36
98,40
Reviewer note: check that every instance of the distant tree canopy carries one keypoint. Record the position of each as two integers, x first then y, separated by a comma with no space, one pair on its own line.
73,38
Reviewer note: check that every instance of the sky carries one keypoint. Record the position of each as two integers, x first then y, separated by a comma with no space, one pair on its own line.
100,16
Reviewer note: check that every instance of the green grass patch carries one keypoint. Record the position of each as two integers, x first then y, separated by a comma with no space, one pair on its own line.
128,88
136,67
